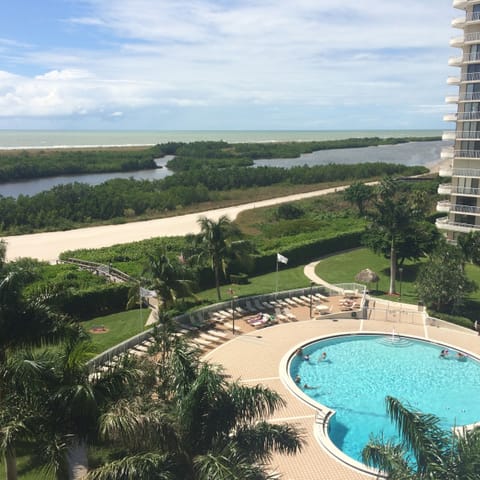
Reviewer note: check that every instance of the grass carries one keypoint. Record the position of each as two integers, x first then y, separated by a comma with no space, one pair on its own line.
343,268
120,327
288,278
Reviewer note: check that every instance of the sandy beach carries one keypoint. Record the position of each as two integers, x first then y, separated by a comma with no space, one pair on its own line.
48,246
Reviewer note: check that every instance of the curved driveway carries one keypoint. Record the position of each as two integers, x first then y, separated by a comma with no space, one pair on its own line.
48,246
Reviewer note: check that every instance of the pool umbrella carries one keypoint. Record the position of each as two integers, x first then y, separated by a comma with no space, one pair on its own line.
367,276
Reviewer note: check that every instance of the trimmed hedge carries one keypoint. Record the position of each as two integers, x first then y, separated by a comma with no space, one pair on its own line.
86,304
301,254
455,319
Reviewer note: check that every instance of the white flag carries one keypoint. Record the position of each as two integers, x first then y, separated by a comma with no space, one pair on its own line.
147,293
282,259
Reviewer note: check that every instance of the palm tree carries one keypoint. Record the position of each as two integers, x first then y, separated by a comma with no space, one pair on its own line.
425,450
77,397
196,426
169,278
21,386
217,239
24,322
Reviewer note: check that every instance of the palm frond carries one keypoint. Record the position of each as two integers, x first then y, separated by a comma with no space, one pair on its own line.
151,466
258,441
421,434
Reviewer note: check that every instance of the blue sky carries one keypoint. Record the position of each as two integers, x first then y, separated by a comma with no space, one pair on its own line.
221,64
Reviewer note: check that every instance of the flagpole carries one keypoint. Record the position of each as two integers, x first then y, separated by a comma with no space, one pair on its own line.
276,279
140,295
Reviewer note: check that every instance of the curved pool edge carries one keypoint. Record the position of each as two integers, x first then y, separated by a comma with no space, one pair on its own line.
324,414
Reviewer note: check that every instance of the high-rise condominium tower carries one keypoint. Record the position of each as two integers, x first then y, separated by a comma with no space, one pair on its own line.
463,208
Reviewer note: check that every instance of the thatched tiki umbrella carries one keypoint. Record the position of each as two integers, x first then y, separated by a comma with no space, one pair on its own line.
367,276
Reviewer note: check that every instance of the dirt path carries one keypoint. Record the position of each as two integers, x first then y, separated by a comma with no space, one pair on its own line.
48,246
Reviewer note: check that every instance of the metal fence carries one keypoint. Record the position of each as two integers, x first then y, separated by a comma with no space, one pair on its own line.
202,315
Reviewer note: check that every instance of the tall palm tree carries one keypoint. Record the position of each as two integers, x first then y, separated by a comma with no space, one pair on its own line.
218,240
24,322
77,397
21,382
199,426
425,450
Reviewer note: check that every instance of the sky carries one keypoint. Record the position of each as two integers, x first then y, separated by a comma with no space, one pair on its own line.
225,64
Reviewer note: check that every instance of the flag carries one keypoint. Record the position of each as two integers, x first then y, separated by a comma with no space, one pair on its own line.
147,293
282,259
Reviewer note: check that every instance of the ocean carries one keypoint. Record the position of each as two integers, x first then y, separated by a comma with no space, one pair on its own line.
25,139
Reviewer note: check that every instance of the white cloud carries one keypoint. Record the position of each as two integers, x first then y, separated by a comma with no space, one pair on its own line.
200,53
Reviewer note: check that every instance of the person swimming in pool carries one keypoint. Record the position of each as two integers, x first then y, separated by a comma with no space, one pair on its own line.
297,379
322,357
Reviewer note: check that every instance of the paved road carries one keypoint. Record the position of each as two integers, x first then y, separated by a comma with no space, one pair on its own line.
48,246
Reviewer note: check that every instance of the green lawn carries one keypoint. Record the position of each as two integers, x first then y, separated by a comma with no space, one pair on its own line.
120,326
343,268
288,278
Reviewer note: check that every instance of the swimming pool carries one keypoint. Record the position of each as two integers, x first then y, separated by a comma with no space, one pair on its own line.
361,370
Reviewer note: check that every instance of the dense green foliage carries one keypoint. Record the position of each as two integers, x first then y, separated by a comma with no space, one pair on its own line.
28,164
48,163
442,282
190,156
76,204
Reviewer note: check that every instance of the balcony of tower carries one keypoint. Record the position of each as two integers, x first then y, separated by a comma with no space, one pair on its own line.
467,209
444,189
462,117
444,223
443,206
466,172
464,4
449,135
447,154
462,154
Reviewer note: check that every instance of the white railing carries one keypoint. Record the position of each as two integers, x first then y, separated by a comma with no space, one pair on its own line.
470,77
464,209
466,172
467,116
469,97
458,226
472,17
465,191
444,189
464,154
467,136
467,57
472,37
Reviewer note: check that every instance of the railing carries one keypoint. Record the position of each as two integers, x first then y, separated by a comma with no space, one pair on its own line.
472,17
464,209
102,269
202,315
466,172
470,77
465,190
470,96
467,135
468,116
471,37
463,227
465,153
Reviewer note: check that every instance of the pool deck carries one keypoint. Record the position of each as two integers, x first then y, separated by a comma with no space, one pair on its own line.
255,357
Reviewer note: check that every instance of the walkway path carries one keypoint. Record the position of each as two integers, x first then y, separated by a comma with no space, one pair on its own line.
48,246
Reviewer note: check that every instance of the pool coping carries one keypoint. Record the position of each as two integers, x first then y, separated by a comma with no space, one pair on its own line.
324,414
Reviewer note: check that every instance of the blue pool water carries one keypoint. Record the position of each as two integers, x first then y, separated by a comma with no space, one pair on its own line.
361,370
